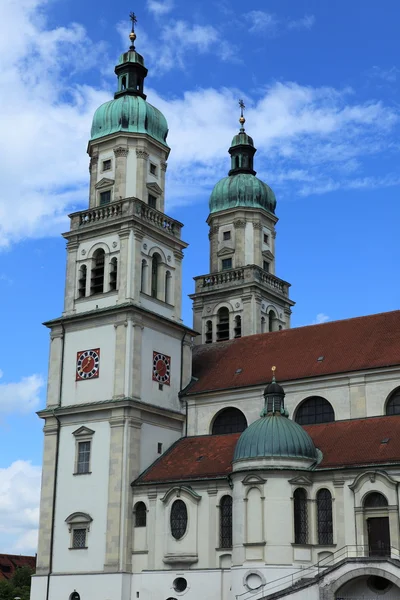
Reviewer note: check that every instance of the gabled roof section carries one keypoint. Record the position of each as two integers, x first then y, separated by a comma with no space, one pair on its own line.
330,348
10,562
372,441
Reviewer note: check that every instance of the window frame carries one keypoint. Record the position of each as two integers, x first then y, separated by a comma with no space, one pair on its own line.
83,435
226,235
225,522
224,266
300,518
101,194
154,201
266,266
324,517
137,515
153,169
266,239
235,421
317,415
393,401
78,521
108,162
179,528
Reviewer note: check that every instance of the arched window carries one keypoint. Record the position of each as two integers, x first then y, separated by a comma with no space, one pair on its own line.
225,522
271,320
97,275
300,516
123,83
236,162
208,337
168,287
229,420
144,276
178,519
262,324
223,324
155,267
393,404
314,410
82,281
140,514
238,327
113,273
324,517
375,500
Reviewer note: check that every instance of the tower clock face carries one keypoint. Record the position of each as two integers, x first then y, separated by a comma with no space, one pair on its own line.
161,368
87,364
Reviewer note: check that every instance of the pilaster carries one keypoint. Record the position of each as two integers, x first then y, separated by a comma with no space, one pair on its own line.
339,523
178,285
141,173
152,496
137,264
240,242
124,272
93,166
47,494
120,356
121,153
55,367
213,237
163,166
131,472
70,280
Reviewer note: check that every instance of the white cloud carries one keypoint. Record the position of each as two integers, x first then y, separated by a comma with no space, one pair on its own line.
20,397
310,140
305,22
260,21
321,318
19,506
160,8
389,75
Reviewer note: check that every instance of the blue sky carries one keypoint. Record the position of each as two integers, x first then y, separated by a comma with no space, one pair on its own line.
321,85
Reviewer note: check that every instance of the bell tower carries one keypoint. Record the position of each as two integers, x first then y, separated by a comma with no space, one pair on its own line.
119,353
241,295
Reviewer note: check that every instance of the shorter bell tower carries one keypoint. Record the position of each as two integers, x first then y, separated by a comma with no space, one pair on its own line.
241,294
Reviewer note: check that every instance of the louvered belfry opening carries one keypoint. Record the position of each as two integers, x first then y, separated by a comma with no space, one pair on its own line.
223,324
97,276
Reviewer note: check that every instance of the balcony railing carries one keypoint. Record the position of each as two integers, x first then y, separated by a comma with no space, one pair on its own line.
351,553
125,209
242,275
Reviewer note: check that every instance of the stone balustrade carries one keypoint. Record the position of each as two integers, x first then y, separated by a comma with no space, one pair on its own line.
242,275
129,208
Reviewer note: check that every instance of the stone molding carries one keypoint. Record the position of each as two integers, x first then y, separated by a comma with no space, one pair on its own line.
121,151
257,225
93,161
142,154
239,224
164,166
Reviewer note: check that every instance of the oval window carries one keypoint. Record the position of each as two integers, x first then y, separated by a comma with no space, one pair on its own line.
178,519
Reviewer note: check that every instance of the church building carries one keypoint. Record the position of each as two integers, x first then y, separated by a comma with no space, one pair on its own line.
240,459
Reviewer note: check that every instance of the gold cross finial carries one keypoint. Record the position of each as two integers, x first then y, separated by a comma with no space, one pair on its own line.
132,35
242,120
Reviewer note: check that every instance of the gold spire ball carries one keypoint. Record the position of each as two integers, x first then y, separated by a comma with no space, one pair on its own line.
132,35
242,120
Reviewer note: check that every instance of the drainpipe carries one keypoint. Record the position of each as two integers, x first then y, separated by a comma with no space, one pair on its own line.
55,469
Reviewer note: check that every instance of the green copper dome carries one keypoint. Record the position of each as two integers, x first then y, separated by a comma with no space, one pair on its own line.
275,436
131,114
242,189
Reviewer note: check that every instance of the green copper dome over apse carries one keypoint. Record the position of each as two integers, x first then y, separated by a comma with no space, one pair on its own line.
242,188
129,112
274,435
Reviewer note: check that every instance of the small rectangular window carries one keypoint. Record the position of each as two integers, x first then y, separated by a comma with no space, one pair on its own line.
266,238
159,448
227,235
83,463
106,165
266,266
79,538
152,201
153,169
160,387
226,264
105,197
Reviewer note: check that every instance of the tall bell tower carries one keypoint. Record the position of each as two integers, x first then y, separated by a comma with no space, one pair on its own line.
119,353
241,294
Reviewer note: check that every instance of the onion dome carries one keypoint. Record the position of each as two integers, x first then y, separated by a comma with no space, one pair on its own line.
274,435
129,112
242,188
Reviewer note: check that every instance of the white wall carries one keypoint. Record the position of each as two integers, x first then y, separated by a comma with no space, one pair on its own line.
89,390
86,493
150,436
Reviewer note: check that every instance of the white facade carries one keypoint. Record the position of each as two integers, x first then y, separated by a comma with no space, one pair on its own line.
119,400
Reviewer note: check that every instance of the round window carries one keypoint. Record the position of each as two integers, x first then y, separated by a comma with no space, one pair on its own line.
253,581
180,584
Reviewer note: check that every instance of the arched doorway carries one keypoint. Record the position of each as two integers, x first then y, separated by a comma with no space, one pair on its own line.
377,520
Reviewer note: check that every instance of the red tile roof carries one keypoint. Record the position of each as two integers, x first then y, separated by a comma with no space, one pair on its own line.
356,442
10,562
350,345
